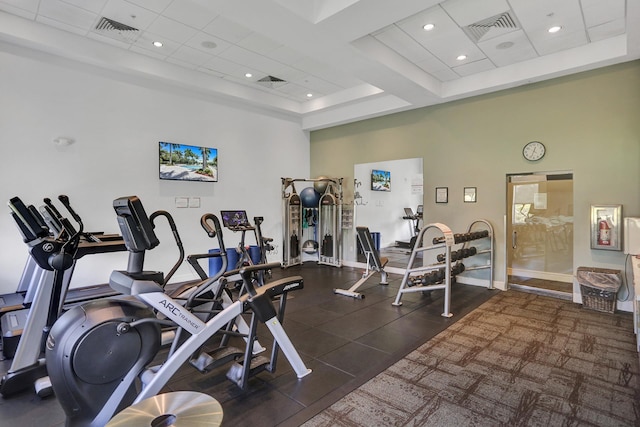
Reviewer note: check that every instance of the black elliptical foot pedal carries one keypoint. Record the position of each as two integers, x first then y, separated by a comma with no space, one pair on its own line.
257,365
207,361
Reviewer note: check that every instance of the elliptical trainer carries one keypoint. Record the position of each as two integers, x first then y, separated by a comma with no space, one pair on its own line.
95,352
51,253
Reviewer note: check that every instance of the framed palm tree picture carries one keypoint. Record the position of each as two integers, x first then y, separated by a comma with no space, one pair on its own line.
180,162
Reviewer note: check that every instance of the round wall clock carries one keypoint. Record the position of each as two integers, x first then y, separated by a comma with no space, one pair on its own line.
534,150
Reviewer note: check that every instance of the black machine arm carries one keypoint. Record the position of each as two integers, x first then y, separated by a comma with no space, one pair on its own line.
58,224
264,242
65,201
205,222
260,298
211,225
247,275
176,236
52,220
48,202
74,237
37,216
41,245
29,226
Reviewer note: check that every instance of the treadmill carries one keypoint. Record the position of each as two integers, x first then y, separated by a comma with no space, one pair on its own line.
414,226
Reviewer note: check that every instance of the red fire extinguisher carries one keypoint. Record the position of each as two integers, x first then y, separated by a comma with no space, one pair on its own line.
604,233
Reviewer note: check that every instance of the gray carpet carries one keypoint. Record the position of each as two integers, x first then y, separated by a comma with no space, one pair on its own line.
518,360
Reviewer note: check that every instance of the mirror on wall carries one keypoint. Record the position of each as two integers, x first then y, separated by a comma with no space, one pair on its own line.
382,193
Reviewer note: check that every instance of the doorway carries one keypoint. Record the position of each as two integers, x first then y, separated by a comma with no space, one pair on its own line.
383,212
540,232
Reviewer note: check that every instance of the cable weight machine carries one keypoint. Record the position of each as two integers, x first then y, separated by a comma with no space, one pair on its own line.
292,228
321,239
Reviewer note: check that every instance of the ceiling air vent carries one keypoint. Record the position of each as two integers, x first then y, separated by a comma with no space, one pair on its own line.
271,82
491,27
117,30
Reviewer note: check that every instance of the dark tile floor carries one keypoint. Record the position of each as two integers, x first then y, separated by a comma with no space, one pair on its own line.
345,341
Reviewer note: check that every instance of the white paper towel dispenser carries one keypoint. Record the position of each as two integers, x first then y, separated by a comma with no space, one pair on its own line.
632,236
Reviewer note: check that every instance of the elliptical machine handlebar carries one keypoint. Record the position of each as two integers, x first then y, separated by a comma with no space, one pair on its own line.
73,236
211,231
29,226
65,257
176,236
57,223
48,202
65,201
246,273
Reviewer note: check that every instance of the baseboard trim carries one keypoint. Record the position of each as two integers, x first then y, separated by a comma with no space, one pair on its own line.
543,275
544,292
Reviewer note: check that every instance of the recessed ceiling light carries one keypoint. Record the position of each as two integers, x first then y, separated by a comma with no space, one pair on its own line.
461,57
248,75
554,29
157,44
309,95
428,27
207,44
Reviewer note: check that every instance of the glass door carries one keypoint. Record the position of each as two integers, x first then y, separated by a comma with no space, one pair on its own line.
540,231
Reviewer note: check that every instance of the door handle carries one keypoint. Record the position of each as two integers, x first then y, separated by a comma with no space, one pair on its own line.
514,240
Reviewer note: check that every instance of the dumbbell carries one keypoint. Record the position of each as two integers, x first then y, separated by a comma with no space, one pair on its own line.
457,269
443,257
467,252
412,281
479,234
459,254
457,238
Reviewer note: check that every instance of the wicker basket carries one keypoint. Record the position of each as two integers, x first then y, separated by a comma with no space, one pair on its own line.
598,299
599,288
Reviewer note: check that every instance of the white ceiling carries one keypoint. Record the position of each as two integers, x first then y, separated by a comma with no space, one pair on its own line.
358,58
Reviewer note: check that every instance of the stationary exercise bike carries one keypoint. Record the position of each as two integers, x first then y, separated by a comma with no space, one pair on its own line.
96,352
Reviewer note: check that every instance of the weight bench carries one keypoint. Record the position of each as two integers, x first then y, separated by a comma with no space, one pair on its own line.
375,264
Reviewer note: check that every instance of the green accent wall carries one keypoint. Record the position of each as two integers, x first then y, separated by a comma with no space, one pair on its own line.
589,122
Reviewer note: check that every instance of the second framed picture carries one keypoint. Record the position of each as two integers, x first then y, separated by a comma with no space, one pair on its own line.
442,195
469,194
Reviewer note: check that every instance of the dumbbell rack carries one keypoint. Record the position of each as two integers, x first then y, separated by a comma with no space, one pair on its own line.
446,236
479,225
447,240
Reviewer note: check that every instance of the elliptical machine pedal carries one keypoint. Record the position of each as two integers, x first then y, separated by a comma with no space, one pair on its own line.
256,365
207,361
43,387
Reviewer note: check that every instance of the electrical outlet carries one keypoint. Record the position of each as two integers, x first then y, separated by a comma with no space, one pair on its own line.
194,202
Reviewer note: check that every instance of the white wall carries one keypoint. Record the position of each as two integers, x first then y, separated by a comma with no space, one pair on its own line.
116,126
382,211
